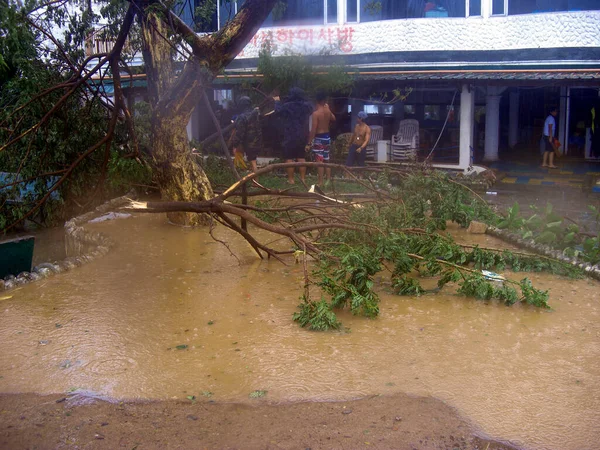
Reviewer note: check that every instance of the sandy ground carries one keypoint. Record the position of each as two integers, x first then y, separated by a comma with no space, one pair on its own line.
28,421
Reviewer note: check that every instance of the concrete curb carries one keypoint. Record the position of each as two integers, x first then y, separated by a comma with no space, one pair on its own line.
82,246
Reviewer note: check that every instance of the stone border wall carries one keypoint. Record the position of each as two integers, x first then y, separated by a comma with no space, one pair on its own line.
544,250
82,246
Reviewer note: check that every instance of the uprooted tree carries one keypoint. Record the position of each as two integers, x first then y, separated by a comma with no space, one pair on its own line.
396,228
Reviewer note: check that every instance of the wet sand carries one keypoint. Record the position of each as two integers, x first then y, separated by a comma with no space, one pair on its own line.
399,422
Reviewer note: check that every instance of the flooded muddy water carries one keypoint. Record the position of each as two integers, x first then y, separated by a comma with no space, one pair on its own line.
171,313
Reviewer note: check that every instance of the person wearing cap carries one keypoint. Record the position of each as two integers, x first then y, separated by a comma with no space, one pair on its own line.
358,142
247,135
294,112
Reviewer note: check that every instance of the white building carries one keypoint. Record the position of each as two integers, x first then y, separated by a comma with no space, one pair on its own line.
459,60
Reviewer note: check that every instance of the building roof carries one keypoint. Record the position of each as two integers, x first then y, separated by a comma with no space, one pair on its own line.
484,75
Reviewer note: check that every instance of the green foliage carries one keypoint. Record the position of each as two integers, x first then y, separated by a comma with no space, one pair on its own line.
404,285
316,316
549,228
405,235
287,71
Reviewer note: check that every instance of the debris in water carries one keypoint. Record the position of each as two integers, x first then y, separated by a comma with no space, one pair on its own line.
110,216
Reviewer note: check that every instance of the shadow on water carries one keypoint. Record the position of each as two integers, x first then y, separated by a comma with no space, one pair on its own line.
171,313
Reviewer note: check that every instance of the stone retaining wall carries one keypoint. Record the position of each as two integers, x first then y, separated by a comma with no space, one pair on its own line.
82,246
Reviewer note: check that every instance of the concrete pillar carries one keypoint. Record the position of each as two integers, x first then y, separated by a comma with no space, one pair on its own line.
513,119
492,122
357,106
562,116
467,117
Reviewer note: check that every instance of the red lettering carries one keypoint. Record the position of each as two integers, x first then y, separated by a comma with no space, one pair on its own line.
282,35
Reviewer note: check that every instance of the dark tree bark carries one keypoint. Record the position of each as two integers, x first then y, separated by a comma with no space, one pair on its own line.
174,97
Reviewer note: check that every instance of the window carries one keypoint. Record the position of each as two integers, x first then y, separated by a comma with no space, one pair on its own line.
223,96
371,109
431,112
352,11
499,7
370,10
201,19
474,8
227,11
388,110
298,12
410,110
542,6
331,11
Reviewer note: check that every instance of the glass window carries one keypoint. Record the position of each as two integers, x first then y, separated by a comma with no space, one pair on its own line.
388,110
297,12
371,109
371,10
498,7
410,110
474,8
541,6
352,11
331,11
223,96
227,11
431,112
402,9
202,19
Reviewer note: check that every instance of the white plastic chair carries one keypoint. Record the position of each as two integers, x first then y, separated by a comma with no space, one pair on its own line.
376,135
406,141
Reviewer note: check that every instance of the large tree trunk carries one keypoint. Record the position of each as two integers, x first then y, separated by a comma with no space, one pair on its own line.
176,171
174,96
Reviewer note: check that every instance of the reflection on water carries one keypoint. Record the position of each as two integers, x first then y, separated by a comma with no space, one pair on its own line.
171,313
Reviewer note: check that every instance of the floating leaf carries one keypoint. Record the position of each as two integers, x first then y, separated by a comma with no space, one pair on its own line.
181,347
257,394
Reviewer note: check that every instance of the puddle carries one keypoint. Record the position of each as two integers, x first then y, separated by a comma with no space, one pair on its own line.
170,314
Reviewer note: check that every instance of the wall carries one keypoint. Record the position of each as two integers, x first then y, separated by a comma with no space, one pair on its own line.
550,30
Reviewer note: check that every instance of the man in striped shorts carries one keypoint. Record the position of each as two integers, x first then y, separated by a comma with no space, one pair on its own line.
320,141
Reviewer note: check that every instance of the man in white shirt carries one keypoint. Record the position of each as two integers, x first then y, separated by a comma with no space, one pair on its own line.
547,141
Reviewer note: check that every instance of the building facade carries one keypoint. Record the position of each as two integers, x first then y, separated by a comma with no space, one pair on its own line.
481,73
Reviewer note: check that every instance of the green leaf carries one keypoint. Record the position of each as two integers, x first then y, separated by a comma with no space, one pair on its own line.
181,347
547,237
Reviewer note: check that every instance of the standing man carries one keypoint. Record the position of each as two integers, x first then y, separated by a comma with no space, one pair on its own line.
294,112
547,141
358,142
247,135
320,140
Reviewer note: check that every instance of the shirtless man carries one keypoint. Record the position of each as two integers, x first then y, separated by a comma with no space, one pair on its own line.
319,140
358,142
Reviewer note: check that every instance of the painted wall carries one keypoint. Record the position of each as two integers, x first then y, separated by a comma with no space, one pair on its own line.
549,30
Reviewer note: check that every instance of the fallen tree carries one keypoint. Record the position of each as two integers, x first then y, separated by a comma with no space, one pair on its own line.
398,229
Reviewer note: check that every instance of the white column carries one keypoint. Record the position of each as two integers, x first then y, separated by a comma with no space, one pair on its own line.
492,122
467,117
486,8
562,116
513,119
341,12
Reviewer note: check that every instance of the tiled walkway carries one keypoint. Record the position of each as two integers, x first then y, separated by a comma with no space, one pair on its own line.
569,173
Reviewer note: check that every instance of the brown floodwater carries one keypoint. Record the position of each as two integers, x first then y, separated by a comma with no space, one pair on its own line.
113,327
